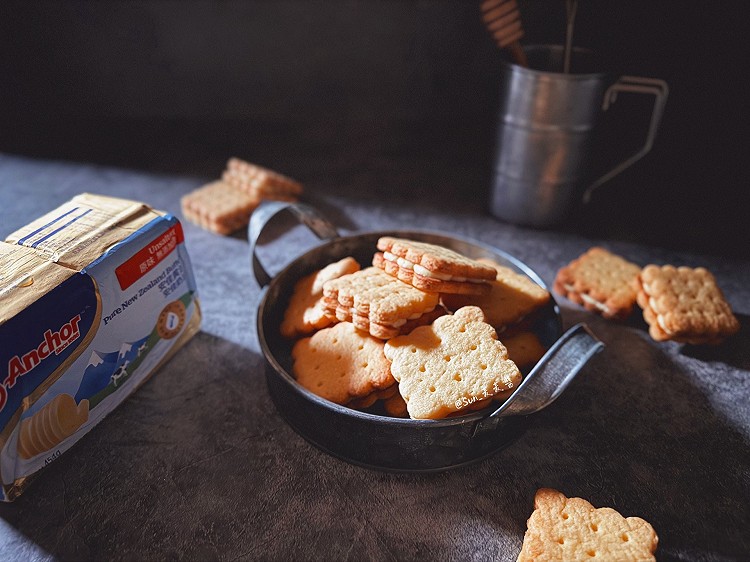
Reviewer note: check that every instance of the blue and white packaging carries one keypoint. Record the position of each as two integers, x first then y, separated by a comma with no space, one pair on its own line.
94,297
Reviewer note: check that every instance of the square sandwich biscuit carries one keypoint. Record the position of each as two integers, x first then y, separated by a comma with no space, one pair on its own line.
684,304
261,182
377,303
219,207
433,268
601,282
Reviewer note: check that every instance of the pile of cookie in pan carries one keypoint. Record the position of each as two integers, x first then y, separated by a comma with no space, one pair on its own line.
416,331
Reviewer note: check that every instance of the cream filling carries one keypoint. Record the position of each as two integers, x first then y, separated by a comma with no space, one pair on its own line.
660,321
652,304
424,272
586,298
406,264
659,318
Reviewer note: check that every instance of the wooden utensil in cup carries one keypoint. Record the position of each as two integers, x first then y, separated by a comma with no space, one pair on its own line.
503,20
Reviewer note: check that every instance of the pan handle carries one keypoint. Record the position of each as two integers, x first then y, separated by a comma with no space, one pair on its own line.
267,210
550,377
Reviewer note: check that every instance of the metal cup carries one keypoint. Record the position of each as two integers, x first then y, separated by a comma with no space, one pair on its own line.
546,129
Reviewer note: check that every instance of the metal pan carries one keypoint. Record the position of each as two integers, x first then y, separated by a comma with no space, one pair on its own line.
382,442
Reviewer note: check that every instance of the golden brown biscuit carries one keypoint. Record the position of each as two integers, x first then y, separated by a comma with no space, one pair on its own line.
306,312
512,297
341,364
364,402
450,365
387,331
261,182
684,304
376,302
600,281
524,348
219,207
395,406
569,529
424,320
370,399
432,268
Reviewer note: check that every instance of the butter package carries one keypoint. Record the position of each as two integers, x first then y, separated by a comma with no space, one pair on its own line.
94,297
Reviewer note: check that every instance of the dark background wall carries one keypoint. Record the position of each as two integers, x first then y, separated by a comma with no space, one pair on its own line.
179,85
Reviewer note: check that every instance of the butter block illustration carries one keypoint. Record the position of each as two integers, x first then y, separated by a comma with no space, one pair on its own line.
51,425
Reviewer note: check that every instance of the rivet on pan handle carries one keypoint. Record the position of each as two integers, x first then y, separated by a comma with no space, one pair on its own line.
305,214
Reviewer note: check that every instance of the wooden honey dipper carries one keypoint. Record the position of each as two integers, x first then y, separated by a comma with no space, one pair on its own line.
503,20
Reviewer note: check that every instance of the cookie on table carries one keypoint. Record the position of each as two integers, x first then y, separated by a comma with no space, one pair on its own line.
569,529
341,364
261,182
512,297
376,302
600,281
305,312
432,268
219,207
684,304
450,365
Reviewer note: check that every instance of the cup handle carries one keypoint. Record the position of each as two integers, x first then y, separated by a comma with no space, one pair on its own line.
260,218
637,85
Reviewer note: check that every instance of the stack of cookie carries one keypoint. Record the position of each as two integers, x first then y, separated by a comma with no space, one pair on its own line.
386,333
224,206
681,304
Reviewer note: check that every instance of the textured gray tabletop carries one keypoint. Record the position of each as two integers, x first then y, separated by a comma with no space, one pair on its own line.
198,465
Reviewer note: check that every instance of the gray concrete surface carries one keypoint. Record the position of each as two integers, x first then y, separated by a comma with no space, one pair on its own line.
198,465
